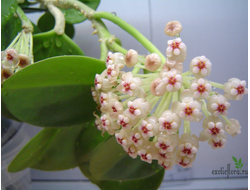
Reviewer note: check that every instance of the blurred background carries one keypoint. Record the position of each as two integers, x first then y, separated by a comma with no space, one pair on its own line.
217,29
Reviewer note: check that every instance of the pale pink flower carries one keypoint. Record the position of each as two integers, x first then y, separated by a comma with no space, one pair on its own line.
218,105
131,58
235,89
158,87
200,88
169,122
176,50
139,108
173,28
172,80
218,142
152,62
149,127
234,128
200,66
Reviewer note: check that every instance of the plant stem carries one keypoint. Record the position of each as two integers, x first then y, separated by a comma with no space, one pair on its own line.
217,85
131,30
187,127
204,108
59,18
104,51
226,120
26,24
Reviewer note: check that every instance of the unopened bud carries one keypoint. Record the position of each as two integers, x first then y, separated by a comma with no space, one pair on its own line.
131,58
173,28
24,60
6,73
152,62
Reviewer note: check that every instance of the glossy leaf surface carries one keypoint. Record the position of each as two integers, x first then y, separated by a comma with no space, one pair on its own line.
51,149
85,148
9,31
55,92
8,7
49,44
111,162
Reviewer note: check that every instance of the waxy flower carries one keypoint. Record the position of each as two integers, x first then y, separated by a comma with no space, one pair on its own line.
9,57
184,161
234,128
176,50
218,105
200,66
235,89
131,85
172,80
188,145
158,87
149,127
188,109
169,122
138,108
218,142
116,58
200,88
169,65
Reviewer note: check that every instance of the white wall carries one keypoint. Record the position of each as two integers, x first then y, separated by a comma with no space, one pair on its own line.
214,28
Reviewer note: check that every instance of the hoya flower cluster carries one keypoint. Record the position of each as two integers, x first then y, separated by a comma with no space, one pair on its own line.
146,111
18,55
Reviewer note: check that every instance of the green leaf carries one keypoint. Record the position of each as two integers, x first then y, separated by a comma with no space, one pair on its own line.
111,162
9,31
55,92
8,7
241,165
239,161
47,22
5,112
51,149
73,16
235,159
49,44
236,167
89,140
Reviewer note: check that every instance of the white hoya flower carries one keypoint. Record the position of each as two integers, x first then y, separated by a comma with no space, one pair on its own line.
102,83
10,58
218,142
168,65
152,62
172,80
235,89
116,58
125,121
98,123
173,28
106,97
149,127
95,94
136,138
158,87
234,128
213,127
218,105
131,58
139,108
131,85
169,122
164,145
6,73
184,161
188,145
146,155
109,124
200,88
122,137
188,109
131,150
114,108
176,50
167,156
200,66
112,72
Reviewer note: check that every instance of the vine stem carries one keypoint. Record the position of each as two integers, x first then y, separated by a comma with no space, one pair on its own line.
131,30
187,127
26,24
59,18
217,85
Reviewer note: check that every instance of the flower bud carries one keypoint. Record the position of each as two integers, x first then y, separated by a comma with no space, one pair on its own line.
131,58
24,60
152,62
173,28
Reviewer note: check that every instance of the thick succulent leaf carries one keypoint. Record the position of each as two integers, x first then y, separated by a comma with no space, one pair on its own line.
8,7
55,92
51,149
89,140
49,44
9,31
111,162
73,16
6,113
46,23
